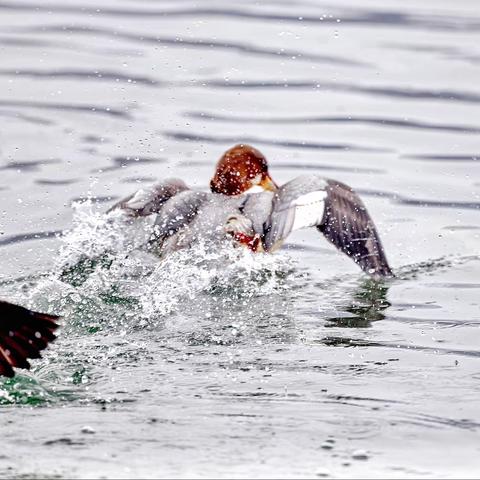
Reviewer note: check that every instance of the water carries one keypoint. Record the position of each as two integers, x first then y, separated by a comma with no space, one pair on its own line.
295,365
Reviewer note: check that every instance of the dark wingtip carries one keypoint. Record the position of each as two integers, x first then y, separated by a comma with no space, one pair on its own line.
347,224
5,369
384,273
376,265
23,334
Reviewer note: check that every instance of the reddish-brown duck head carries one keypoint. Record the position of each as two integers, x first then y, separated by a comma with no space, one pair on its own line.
241,168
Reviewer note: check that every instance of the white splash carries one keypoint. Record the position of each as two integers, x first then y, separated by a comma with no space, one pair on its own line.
122,283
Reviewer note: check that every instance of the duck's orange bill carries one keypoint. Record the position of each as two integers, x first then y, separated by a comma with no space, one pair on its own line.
268,184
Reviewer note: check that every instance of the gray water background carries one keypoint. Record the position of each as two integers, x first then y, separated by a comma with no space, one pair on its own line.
297,366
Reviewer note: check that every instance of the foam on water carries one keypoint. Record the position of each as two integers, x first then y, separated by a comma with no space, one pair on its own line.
103,281
102,274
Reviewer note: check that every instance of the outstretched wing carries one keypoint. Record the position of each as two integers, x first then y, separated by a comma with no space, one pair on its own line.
23,334
347,224
150,200
337,211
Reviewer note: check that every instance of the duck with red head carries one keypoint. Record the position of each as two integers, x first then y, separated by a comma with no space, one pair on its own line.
240,169
247,207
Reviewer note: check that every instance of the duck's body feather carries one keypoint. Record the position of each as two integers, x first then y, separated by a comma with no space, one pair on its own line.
192,217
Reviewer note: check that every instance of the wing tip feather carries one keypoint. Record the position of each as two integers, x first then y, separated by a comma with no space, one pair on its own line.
23,334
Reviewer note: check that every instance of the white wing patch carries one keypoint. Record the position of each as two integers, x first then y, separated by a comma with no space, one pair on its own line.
309,209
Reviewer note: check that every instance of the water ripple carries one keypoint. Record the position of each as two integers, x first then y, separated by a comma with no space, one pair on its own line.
187,137
356,17
25,237
95,109
80,75
407,93
122,162
347,120
28,166
397,198
445,158
59,183
449,52
27,118
203,43
335,341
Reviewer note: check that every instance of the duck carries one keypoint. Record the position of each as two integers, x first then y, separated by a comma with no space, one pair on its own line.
246,207
24,334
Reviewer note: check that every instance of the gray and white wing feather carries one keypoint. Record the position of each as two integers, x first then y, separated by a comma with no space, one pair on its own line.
336,211
150,200
177,213
298,204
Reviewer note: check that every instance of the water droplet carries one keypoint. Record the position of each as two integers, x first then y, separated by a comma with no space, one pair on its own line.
360,455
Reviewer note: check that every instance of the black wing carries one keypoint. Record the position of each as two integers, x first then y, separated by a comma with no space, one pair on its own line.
336,210
23,334
150,200
347,224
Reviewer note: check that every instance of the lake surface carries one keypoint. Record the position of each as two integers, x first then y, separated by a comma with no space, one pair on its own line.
294,365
